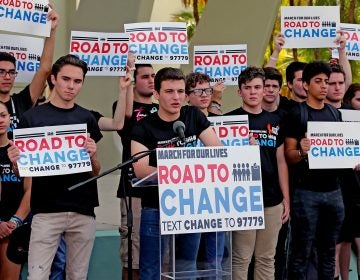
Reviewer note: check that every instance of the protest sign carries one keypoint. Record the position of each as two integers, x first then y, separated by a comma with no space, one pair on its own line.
105,53
310,26
333,144
27,51
231,130
158,42
52,150
210,189
350,115
28,17
352,36
221,62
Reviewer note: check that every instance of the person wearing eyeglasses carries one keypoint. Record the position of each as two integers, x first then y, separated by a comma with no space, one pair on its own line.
17,104
198,94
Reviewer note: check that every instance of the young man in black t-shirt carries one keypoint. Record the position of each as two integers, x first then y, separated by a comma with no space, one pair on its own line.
139,105
57,210
155,131
317,206
265,130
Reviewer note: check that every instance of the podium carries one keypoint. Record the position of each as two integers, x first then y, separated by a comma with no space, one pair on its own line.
203,256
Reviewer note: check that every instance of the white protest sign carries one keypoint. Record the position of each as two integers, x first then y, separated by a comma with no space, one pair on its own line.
158,42
27,51
105,53
352,35
221,62
231,130
333,144
310,26
350,115
52,150
210,189
28,17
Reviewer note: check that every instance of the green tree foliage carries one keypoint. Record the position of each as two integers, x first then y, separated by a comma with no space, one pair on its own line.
349,13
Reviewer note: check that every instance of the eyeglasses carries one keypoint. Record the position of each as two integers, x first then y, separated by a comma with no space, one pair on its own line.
12,73
200,91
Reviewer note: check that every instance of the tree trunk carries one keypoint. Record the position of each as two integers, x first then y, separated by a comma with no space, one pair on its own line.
352,11
196,11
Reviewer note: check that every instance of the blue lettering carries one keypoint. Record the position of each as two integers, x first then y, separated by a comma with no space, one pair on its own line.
204,202
186,201
239,204
255,198
222,200
168,211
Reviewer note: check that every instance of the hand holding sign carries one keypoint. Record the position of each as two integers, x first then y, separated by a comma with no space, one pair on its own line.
304,146
54,17
13,154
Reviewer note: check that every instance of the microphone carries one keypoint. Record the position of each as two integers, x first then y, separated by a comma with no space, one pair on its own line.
179,129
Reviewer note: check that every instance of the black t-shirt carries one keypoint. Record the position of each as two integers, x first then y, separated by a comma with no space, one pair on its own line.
96,115
140,111
153,132
12,189
266,130
287,104
17,105
49,194
318,180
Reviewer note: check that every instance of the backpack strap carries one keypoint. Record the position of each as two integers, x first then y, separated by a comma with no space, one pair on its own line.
304,115
334,112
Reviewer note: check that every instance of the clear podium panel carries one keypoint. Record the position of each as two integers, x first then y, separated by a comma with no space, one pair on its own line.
196,256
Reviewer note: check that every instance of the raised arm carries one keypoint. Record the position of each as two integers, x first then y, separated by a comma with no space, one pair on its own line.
343,60
37,84
117,122
278,44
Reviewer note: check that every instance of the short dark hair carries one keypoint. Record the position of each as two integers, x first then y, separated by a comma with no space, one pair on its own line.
138,66
4,56
350,93
69,59
315,68
249,74
292,68
167,73
193,78
50,83
7,110
273,74
337,68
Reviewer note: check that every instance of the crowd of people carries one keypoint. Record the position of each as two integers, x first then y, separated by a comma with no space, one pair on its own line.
310,214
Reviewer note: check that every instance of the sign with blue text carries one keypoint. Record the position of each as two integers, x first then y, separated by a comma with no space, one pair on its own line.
310,26
210,189
158,42
28,17
334,144
352,35
52,150
221,62
105,53
27,51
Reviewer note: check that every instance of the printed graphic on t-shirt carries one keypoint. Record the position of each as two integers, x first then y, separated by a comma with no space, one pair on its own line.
7,174
142,113
267,137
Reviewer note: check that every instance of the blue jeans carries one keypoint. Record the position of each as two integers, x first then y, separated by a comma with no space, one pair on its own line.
315,216
212,249
59,262
186,247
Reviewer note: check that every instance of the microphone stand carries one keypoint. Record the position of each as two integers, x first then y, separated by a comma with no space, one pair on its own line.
129,222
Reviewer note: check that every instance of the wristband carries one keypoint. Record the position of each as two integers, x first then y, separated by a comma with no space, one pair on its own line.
16,220
215,105
273,58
